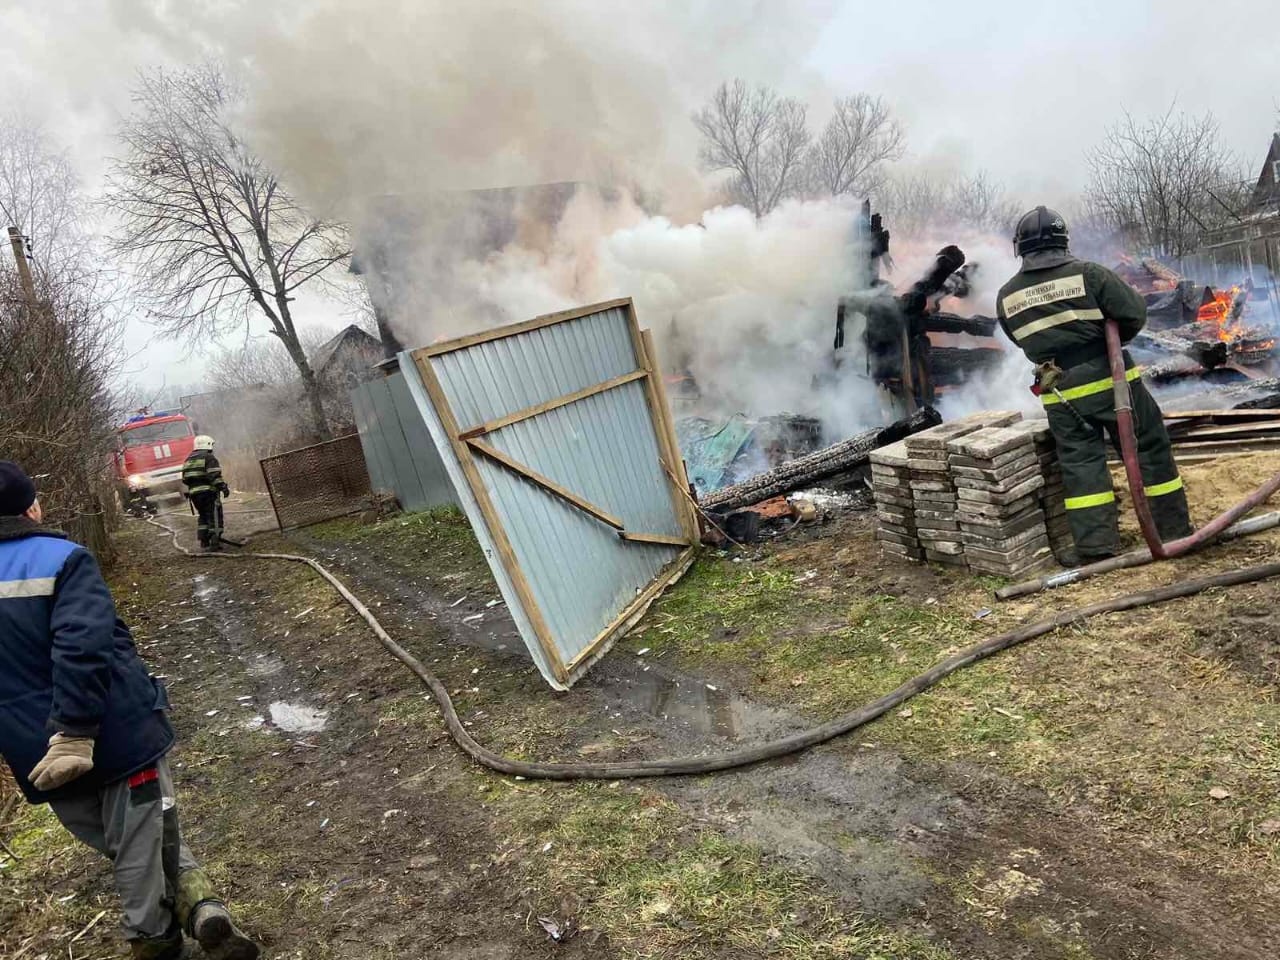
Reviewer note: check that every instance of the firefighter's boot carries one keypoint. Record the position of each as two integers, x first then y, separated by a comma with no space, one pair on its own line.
1070,557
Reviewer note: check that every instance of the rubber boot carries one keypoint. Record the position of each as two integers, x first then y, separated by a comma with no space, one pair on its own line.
218,936
1070,557
168,947
205,917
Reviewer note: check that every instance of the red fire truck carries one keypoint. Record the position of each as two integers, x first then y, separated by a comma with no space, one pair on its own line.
151,448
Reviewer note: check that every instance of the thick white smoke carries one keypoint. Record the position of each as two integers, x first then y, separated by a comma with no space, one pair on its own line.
374,112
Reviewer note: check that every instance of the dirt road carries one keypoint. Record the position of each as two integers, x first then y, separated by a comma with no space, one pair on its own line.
1053,804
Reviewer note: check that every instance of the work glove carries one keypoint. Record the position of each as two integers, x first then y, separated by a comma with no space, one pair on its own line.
66,759
226,492
1048,375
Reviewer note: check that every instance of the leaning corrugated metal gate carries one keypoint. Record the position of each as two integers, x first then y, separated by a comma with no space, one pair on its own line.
557,436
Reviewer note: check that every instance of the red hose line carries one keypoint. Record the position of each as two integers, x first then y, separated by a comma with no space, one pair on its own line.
1133,470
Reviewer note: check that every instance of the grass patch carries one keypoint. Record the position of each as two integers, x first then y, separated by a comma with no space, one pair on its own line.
641,874
438,540
1120,712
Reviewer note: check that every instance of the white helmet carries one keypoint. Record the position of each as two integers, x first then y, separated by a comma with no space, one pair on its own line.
204,442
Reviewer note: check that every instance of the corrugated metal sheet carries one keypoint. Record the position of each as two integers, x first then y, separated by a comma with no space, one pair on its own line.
581,575
398,450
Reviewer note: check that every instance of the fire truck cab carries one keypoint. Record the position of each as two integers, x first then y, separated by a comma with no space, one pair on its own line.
151,449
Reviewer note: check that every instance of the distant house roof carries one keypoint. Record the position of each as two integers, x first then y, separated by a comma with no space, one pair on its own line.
350,335
1268,189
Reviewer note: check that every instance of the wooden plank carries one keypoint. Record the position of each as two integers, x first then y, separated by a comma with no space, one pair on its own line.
1264,427
546,483
1258,444
632,613
1230,414
497,533
512,329
553,404
673,466
653,399
662,539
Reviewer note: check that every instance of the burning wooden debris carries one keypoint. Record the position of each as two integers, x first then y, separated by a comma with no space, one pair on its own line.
822,465
1194,331
912,349
723,451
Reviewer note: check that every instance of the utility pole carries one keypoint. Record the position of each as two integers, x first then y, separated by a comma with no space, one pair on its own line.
24,270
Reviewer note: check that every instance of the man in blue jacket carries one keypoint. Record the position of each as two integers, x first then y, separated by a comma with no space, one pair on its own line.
83,728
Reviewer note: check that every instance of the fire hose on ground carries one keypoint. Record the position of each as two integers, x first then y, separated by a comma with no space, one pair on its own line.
1221,527
744,756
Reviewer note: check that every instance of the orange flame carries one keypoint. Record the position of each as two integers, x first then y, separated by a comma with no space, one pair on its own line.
1218,311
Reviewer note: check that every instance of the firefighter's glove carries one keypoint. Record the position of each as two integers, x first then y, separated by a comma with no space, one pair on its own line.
1048,375
66,759
951,258
226,492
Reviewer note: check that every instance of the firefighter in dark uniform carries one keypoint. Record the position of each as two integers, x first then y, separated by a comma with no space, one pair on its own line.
1055,310
202,476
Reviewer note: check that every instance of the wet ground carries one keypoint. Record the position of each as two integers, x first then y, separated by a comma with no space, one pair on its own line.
327,799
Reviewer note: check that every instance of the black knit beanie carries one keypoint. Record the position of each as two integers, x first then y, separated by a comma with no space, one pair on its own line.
17,492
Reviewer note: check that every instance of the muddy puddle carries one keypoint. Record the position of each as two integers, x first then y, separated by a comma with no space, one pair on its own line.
287,716
691,705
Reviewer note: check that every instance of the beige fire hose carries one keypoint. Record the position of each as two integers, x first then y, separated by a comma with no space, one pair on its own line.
796,742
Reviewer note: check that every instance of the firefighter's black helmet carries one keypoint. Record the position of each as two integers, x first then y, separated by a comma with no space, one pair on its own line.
1040,229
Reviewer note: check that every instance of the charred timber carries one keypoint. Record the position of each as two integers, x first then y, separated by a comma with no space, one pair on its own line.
1208,353
952,366
941,322
819,465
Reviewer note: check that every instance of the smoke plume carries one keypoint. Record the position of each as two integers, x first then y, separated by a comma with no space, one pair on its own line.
392,114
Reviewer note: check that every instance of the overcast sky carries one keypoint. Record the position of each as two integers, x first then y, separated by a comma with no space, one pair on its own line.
1020,89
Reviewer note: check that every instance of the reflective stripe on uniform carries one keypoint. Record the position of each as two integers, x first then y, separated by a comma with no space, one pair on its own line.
1064,288
1160,489
1088,389
1090,500
1054,320
34,587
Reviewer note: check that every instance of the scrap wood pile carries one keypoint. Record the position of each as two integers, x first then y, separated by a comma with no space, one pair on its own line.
1224,431
1193,329
816,467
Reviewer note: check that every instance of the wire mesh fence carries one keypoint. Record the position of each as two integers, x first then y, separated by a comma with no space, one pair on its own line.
317,483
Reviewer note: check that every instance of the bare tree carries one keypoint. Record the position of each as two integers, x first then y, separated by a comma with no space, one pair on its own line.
916,202
859,140
58,354
40,195
215,236
982,202
258,363
761,138
1155,181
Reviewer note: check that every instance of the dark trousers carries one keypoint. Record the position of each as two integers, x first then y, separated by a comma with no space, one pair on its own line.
209,517
1082,449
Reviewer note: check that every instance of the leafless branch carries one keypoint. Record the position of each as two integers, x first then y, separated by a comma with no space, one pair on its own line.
214,236
859,140
760,138
1155,182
